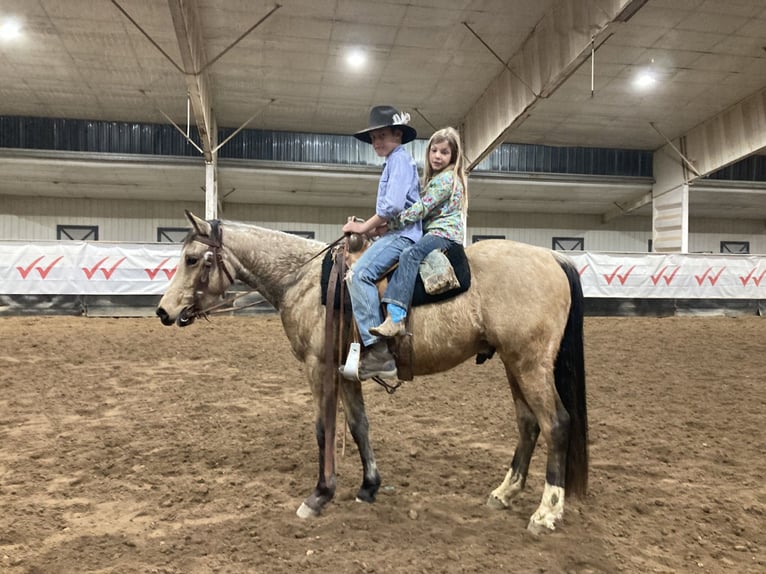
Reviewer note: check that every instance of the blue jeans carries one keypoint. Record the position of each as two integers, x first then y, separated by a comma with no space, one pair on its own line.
370,267
399,290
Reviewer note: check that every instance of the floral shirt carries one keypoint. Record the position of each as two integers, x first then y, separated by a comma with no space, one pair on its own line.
438,208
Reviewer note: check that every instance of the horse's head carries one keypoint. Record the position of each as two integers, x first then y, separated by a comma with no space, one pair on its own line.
202,276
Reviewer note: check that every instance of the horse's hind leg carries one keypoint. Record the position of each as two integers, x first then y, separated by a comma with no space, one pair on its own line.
538,388
353,403
529,430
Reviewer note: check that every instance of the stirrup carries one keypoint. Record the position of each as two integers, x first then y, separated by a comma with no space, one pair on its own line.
350,369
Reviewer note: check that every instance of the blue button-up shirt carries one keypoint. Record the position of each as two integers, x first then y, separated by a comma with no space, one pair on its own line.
398,189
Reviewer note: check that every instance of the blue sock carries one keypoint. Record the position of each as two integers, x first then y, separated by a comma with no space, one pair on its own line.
397,313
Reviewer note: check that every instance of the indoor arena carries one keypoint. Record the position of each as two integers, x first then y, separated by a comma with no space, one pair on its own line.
188,373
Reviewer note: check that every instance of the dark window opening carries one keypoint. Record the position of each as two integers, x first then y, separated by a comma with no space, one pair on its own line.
568,244
476,238
172,234
739,247
77,232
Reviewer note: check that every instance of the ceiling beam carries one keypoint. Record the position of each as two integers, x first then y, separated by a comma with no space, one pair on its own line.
558,45
186,20
730,136
625,207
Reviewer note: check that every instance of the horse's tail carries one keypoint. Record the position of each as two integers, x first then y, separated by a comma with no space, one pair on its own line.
569,375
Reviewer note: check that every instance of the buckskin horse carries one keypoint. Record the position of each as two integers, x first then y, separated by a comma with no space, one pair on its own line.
525,304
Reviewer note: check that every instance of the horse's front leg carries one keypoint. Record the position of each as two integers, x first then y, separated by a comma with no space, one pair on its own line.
325,489
353,404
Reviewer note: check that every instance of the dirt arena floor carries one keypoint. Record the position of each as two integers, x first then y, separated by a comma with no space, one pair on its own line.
128,447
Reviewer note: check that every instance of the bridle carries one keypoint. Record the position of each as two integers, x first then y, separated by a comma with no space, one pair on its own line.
213,257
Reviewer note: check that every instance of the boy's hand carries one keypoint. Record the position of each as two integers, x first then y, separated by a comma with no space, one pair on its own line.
352,226
364,227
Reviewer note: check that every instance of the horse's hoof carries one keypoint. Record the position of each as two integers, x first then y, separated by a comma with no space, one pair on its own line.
539,526
495,503
305,511
365,496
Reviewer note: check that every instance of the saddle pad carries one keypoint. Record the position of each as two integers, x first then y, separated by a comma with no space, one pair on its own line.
456,256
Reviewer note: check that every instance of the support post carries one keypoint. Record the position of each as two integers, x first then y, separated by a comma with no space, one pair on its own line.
211,188
670,203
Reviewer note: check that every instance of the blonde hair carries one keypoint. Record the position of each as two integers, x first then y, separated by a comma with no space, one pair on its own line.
452,137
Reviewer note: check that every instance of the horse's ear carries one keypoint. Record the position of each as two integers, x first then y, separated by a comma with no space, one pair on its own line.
201,226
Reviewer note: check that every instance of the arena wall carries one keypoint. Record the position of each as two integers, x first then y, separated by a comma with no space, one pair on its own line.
30,224
36,219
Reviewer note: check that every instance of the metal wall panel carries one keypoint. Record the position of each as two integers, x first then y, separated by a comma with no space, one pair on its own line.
164,140
93,136
511,157
751,168
35,219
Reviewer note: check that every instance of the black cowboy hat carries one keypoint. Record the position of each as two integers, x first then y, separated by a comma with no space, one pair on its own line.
387,117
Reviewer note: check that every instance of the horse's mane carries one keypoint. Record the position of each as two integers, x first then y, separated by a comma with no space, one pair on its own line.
281,255
282,236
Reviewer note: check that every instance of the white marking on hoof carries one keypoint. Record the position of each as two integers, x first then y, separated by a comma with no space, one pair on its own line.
501,497
495,502
305,511
541,524
550,511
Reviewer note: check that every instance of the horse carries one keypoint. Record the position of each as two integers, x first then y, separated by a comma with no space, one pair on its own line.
525,304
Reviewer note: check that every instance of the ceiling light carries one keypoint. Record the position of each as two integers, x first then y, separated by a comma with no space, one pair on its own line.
10,29
644,80
356,58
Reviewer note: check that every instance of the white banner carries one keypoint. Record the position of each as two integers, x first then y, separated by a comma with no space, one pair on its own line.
671,275
101,268
86,268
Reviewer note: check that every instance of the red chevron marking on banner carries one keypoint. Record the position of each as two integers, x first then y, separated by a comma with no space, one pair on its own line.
709,276
621,278
24,271
661,275
43,271
108,273
152,273
751,275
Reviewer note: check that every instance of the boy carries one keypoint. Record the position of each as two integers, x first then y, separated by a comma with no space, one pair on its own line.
398,189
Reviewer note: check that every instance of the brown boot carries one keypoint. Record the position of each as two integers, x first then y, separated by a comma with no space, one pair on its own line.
388,328
377,361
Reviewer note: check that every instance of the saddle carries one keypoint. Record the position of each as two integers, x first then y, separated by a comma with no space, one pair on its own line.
455,255
401,347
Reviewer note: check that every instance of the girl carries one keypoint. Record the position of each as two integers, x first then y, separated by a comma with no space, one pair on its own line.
442,207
